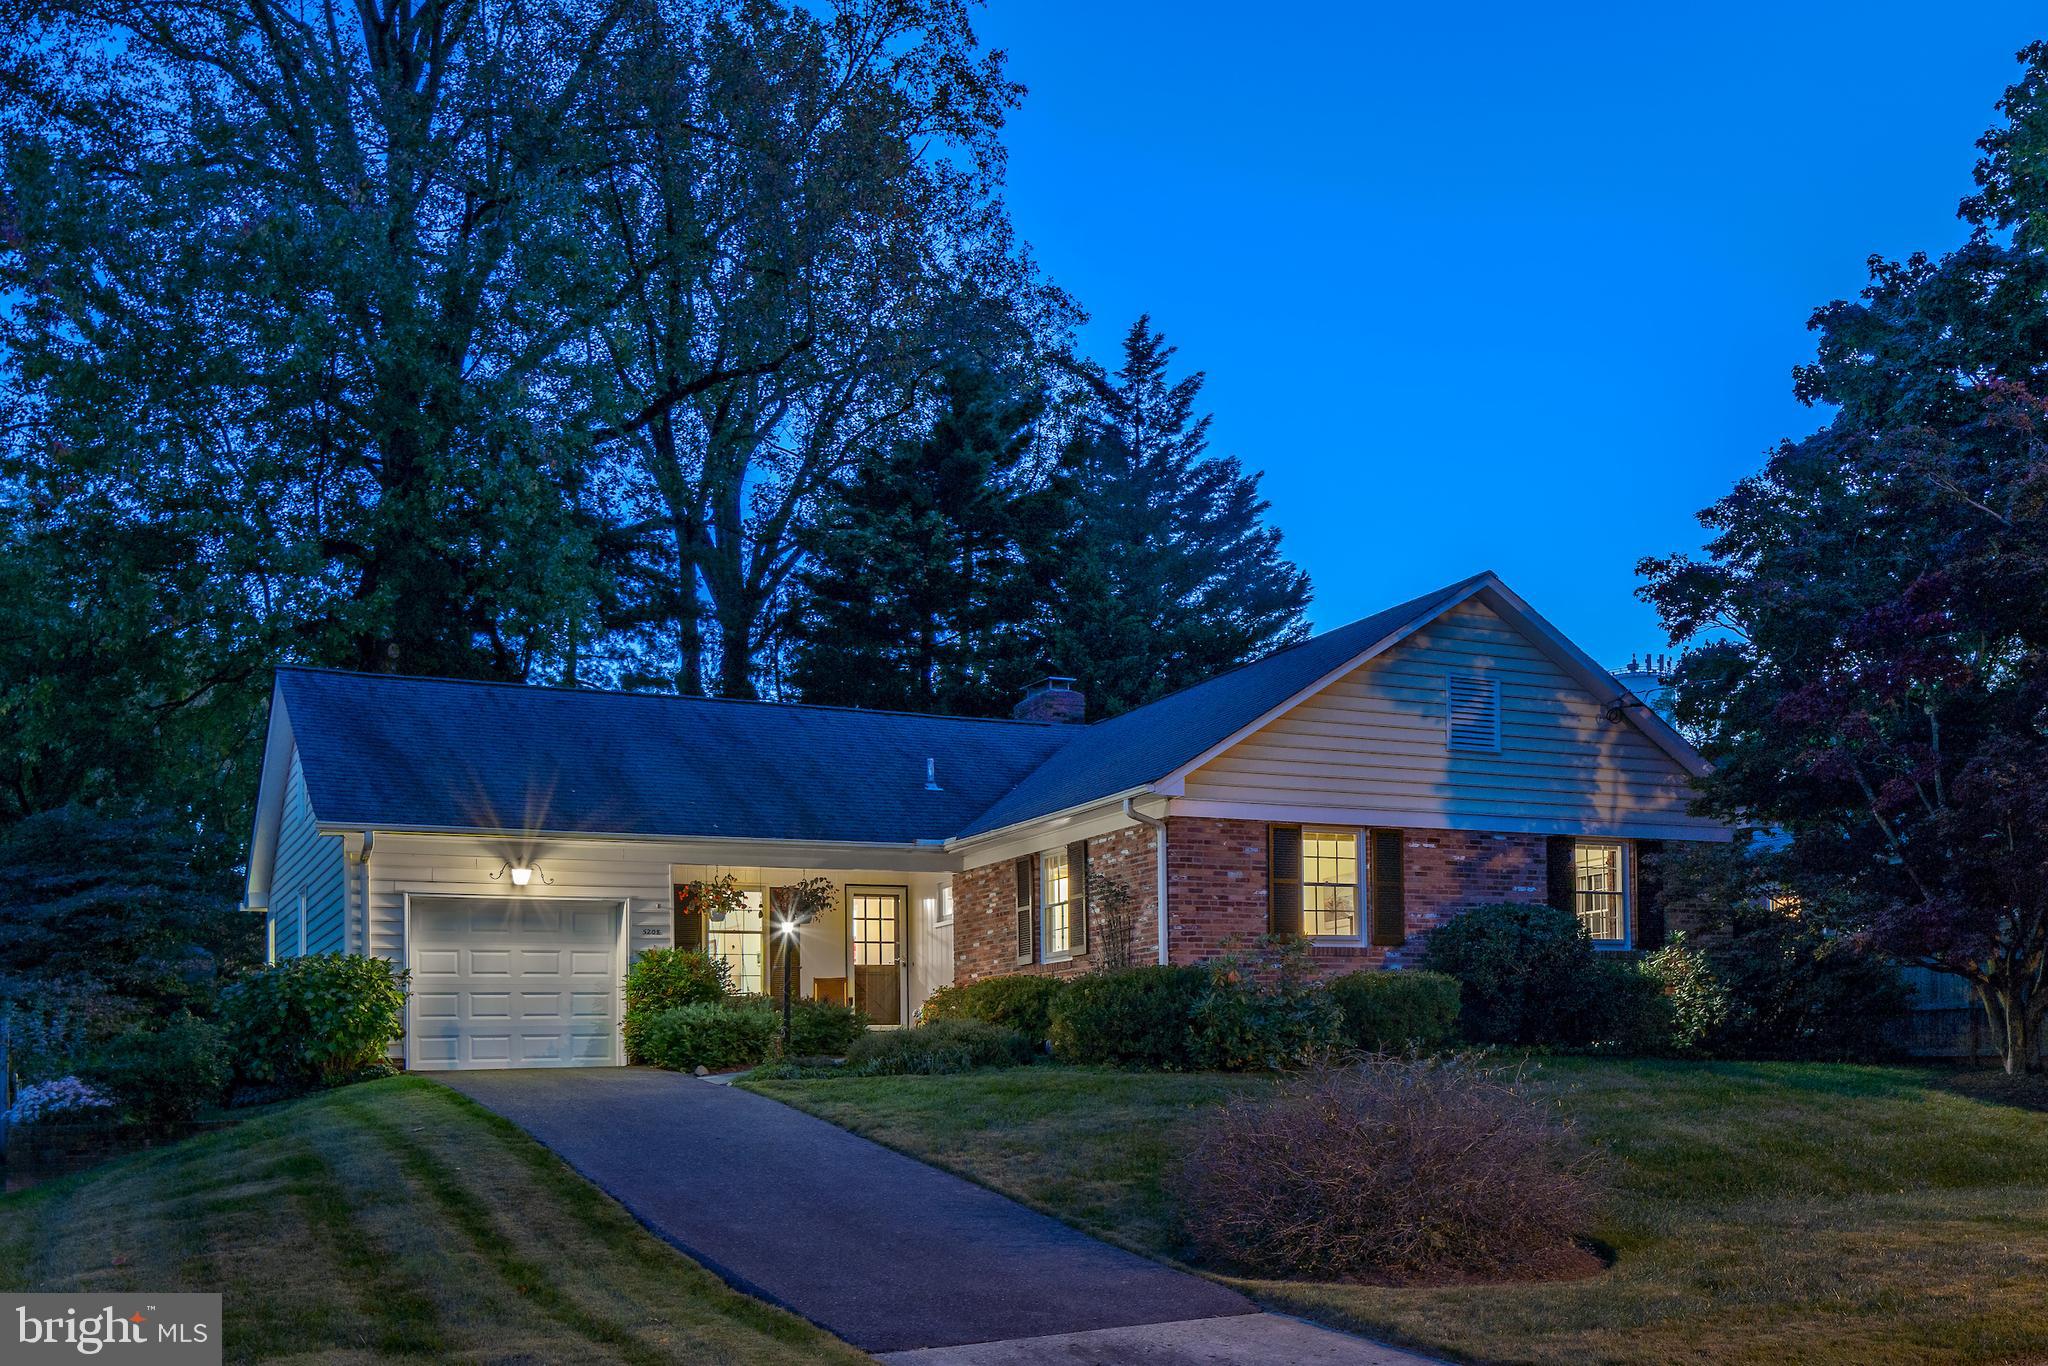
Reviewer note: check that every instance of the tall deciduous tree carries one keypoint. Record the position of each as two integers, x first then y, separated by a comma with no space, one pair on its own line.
1873,607
1170,574
806,227
924,588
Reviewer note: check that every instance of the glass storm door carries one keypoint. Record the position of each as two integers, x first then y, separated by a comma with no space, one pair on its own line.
877,917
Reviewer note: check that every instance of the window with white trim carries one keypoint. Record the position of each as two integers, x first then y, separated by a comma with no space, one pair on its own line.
1056,898
1600,891
1329,884
945,911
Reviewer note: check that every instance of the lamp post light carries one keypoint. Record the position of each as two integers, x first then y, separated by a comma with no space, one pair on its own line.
785,930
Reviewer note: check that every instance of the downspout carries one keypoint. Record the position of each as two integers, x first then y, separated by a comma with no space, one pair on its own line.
1158,848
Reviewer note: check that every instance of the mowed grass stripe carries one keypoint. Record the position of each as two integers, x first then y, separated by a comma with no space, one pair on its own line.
391,1221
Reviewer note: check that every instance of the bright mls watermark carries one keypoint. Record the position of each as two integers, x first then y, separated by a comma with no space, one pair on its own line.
172,1330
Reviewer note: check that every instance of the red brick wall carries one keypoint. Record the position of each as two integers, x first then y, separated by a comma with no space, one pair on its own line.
1216,893
985,910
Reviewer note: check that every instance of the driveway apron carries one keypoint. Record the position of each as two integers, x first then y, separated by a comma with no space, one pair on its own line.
884,1251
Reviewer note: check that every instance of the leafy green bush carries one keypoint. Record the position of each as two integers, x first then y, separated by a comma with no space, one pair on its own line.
1394,1012
662,979
1262,1014
1779,986
1022,1002
1135,1017
320,1019
950,1045
819,1028
713,1034
165,1074
1529,976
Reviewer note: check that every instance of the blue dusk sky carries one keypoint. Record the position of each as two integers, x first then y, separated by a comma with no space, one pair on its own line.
1505,286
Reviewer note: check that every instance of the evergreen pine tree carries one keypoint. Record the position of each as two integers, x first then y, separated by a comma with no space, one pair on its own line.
924,584
1170,575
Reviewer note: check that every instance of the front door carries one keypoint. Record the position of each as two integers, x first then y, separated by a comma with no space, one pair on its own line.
876,914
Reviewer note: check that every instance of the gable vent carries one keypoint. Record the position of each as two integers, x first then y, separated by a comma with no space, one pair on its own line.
1473,720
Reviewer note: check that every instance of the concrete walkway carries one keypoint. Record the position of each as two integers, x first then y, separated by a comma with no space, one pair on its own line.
886,1252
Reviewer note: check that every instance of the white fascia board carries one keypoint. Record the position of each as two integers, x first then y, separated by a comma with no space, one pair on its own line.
1064,819
1586,671
1175,783
1047,832
746,853
1436,818
270,794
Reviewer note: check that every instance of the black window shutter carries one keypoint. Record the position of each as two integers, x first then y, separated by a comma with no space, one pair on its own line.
1389,890
1283,879
1648,905
1564,876
1027,912
1077,894
689,920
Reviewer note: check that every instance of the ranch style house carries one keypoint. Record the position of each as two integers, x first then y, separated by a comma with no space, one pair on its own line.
514,847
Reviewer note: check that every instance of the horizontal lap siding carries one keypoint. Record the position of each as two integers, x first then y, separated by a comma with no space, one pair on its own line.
1375,740
457,866
307,862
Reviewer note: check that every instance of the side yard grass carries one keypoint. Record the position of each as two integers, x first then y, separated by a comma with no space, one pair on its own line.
393,1219
1761,1212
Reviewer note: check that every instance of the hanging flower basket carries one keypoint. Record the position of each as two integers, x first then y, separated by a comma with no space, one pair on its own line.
715,900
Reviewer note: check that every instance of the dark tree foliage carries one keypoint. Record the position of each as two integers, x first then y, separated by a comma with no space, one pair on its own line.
132,904
1872,613
1168,573
925,587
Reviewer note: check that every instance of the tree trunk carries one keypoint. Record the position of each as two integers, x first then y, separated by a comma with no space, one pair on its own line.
2015,1013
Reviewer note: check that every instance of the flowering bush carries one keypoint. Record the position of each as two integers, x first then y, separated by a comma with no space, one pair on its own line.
58,1101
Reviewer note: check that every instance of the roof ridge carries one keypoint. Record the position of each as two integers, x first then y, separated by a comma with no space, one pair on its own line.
659,696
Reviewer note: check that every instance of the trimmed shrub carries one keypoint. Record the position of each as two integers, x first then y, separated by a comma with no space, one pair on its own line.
951,1045
819,1028
1529,976
320,1019
163,1075
661,980
718,1035
1396,1012
1394,1167
1262,1015
1021,1001
1139,1017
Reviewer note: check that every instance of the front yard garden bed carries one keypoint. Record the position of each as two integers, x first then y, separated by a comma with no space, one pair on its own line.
1761,1212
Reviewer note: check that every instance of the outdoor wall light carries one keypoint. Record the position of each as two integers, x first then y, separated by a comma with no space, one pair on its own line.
520,874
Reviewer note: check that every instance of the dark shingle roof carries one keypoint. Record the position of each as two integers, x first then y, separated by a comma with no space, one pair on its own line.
1145,745
416,753
389,752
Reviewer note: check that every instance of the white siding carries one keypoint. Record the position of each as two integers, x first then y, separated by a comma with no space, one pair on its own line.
643,874
1372,745
308,864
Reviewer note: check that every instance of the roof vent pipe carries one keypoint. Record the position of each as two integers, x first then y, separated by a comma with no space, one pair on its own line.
931,776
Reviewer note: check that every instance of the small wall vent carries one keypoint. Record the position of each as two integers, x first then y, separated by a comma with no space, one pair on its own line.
1472,721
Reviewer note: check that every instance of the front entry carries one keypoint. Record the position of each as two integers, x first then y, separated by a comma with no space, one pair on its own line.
876,917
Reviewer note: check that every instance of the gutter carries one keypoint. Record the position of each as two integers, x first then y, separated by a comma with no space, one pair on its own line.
1159,849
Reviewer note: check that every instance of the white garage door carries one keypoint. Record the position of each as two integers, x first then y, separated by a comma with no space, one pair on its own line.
513,982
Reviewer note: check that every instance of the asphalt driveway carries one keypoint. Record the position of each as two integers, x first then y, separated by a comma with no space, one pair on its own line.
884,1251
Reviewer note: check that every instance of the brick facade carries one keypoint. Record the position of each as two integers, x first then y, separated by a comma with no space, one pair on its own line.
985,910
1216,894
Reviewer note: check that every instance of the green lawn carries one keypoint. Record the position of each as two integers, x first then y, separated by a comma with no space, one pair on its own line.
1762,1212
393,1219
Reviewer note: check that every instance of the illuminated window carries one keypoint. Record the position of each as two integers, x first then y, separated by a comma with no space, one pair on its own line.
874,929
1601,876
740,941
1058,900
1329,884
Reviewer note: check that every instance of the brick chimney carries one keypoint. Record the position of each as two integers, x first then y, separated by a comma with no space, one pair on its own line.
1052,698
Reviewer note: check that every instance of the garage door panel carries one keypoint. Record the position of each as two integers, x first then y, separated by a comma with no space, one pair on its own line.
514,984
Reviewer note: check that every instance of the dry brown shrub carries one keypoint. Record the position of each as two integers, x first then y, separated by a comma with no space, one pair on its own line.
1396,1168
